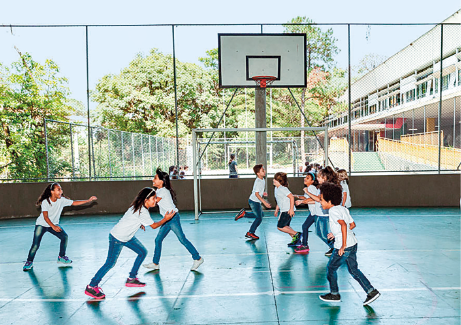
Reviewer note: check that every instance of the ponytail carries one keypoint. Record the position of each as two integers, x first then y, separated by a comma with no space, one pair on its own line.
46,194
165,178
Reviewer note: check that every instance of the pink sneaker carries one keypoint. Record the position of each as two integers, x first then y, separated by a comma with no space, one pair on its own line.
302,249
134,282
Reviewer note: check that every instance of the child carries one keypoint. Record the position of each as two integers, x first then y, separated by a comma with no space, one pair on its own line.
52,202
166,198
345,247
286,204
233,173
326,174
137,216
311,186
344,182
255,201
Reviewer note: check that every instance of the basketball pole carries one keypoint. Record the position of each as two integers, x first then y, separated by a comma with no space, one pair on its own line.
260,122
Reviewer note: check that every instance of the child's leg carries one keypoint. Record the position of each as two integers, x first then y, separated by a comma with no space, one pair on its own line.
309,221
62,235
333,264
162,233
115,247
258,215
38,234
352,267
177,229
288,230
322,230
136,246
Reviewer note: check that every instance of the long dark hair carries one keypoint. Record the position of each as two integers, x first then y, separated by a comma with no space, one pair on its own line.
166,183
232,157
330,175
143,195
46,194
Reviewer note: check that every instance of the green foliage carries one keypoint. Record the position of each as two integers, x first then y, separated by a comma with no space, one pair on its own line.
29,93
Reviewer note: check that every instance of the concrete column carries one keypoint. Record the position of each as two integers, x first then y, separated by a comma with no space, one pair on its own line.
260,122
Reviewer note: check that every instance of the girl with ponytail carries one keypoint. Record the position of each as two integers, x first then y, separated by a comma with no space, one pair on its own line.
166,200
51,201
137,216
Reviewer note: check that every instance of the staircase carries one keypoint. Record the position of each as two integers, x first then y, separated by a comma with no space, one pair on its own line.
366,161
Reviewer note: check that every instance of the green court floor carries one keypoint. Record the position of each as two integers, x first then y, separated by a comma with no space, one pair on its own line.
412,256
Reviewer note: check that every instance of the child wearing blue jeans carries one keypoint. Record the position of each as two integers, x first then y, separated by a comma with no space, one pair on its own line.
345,246
310,187
256,201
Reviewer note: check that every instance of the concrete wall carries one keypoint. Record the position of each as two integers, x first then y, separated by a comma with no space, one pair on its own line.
18,199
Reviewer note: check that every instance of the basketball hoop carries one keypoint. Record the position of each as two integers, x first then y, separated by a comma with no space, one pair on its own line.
263,81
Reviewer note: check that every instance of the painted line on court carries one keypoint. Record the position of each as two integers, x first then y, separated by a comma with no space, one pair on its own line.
217,295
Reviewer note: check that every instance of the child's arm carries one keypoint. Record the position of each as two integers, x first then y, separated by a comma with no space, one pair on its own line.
305,201
80,202
266,204
158,199
344,233
312,196
276,211
48,221
344,199
167,217
352,225
291,212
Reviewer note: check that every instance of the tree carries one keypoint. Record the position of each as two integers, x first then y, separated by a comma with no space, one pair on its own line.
368,63
29,93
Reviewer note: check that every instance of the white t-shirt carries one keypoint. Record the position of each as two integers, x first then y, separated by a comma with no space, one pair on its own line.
130,223
166,203
283,201
314,191
346,190
54,211
341,213
258,187
319,210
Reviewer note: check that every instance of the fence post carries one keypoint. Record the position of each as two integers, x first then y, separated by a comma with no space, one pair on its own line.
108,144
92,153
440,101
72,150
150,154
142,154
132,147
46,151
123,156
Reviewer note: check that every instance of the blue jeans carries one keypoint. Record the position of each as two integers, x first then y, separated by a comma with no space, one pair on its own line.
257,213
322,228
38,234
233,176
350,258
115,247
309,221
175,225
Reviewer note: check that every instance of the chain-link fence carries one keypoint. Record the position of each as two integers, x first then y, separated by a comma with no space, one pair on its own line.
109,154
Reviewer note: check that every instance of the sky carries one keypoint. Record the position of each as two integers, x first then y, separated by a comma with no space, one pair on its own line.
112,48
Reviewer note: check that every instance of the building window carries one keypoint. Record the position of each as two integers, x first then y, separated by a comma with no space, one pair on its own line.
373,109
410,96
459,77
445,82
421,90
436,83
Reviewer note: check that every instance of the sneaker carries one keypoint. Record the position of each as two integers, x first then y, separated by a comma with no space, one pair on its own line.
134,282
329,297
64,260
295,244
296,237
251,236
29,265
94,292
152,266
302,249
196,264
372,296
239,215
330,251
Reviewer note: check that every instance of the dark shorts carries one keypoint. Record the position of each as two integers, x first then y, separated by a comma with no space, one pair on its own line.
284,220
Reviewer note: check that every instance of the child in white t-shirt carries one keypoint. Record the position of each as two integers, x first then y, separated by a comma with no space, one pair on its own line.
52,202
256,201
310,184
166,198
345,247
122,235
344,182
286,205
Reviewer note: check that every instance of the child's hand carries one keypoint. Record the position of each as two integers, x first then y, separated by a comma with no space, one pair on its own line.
56,228
93,198
305,190
299,202
276,213
291,212
330,236
267,205
169,215
265,194
341,251
143,228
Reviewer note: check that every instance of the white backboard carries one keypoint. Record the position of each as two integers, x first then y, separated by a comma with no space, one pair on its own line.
242,56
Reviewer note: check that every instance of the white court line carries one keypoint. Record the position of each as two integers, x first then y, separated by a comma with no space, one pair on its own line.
215,295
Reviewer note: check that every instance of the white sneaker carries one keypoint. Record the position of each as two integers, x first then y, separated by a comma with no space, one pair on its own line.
196,264
152,266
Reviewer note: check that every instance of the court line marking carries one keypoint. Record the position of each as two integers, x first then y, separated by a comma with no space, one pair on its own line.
215,295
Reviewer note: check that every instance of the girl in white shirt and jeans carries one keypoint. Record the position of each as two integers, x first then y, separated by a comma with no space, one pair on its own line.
165,200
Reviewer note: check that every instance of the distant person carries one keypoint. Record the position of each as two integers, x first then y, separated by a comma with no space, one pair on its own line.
344,182
256,201
182,172
171,171
345,247
123,235
310,185
233,173
307,168
52,201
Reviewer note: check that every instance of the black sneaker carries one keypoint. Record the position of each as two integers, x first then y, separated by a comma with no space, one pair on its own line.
239,215
134,282
329,297
329,252
94,292
372,296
